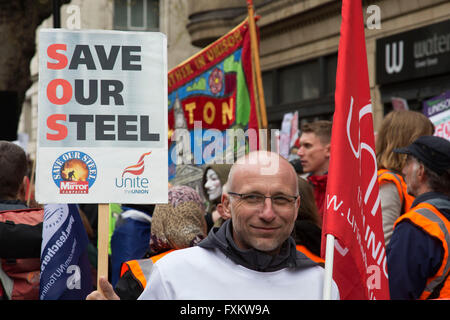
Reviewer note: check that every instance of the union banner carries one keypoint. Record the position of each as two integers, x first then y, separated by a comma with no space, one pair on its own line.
353,211
211,104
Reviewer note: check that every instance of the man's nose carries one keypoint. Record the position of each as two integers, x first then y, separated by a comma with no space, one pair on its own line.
267,212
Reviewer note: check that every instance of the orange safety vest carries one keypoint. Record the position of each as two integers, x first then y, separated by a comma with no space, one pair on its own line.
309,254
141,268
430,220
386,176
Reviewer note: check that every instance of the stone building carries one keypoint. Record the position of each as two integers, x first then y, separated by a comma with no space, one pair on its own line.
299,42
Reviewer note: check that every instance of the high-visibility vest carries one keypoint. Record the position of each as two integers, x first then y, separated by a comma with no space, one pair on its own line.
385,176
430,220
141,268
309,254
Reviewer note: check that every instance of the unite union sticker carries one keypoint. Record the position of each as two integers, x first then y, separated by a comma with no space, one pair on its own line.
74,172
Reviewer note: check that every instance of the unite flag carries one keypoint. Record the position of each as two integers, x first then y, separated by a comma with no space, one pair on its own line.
353,211
65,268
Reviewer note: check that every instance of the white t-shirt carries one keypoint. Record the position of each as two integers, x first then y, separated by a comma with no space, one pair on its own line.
198,274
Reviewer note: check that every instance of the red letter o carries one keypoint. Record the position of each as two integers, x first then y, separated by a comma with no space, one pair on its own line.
67,91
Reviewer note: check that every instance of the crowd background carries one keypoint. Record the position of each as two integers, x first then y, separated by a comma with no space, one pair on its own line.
142,234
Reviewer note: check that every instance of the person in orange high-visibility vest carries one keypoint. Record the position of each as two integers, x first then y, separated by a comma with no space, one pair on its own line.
134,275
387,176
398,129
418,253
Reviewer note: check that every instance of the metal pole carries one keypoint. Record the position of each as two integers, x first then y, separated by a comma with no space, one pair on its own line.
56,14
328,277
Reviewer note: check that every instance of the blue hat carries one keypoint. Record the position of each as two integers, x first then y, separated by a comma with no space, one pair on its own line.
432,151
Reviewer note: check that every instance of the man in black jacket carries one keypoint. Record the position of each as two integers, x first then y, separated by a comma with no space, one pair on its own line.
16,240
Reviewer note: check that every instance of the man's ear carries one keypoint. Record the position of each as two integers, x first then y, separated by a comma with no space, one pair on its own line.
421,172
23,188
297,206
328,149
226,206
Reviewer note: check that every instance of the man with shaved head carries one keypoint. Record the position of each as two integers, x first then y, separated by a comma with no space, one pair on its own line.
256,223
251,256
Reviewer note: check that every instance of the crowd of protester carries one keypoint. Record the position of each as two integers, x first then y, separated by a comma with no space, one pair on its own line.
250,235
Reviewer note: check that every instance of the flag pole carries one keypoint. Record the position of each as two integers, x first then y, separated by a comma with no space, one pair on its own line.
255,54
329,257
103,240
258,112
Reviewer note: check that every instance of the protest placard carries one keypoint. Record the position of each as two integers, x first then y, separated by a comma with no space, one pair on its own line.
437,109
102,120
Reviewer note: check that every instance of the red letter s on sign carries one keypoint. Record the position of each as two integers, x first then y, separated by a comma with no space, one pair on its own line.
53,125
61,58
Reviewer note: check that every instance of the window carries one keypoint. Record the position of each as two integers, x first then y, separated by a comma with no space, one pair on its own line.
330,76
289,84
136,15
307,87
299,82
267,79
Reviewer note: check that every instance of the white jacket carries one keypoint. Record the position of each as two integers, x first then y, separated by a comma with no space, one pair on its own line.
197,273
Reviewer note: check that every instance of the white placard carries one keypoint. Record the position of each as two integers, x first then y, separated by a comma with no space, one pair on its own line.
102,114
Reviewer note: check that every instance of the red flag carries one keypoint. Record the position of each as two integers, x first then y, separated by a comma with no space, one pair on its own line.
353,212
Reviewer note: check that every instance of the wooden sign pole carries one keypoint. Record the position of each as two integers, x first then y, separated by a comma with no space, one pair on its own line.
103,241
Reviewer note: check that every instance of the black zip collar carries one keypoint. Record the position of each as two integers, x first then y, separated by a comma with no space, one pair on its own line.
222,239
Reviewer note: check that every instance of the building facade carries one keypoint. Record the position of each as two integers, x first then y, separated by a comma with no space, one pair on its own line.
299,41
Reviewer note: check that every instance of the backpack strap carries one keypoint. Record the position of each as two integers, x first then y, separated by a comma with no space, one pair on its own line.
6,282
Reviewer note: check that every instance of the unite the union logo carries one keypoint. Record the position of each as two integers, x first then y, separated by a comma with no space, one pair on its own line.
134,184
74,172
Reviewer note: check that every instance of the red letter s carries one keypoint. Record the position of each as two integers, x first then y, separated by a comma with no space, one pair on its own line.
53,125
61,58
